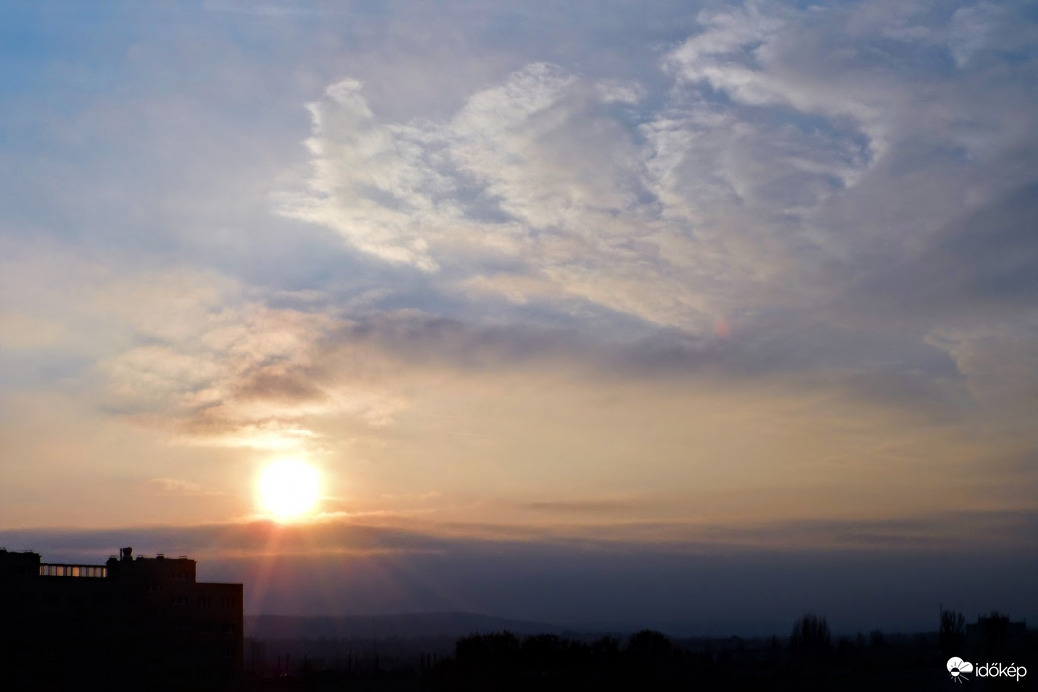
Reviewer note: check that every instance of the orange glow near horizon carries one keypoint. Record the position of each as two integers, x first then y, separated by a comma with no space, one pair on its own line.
288,490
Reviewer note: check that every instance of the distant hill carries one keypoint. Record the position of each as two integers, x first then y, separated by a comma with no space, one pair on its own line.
405,626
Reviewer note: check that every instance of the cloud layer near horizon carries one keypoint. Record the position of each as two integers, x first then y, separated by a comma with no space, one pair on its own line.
755,583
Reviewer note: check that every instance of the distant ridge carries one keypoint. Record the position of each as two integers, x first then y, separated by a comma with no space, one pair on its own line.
383,626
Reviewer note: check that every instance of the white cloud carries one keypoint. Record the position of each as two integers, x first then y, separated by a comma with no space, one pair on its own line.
250,376
1000,369
536,176
723,196
970,31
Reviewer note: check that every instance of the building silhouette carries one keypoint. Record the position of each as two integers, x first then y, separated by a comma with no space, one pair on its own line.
996,636
137,621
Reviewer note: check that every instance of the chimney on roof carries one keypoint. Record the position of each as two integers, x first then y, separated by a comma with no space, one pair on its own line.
126,554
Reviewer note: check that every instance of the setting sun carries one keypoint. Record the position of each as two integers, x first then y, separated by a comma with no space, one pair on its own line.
288,489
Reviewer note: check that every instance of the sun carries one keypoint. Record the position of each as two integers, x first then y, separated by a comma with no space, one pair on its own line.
288,489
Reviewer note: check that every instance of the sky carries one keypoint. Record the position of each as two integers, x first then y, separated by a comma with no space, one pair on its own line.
668,312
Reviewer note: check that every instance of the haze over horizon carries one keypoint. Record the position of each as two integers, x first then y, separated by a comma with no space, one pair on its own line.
710,313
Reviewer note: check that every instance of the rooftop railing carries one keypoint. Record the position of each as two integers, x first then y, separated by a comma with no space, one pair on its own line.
87,571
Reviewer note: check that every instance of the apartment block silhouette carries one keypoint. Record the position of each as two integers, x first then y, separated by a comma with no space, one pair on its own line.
140,621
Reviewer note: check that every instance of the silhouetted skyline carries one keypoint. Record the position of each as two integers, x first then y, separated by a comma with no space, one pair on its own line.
133,620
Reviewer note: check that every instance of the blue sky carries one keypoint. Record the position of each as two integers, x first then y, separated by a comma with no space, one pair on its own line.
644,280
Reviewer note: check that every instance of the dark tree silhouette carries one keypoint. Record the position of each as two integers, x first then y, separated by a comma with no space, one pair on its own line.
810,637
649,645
952,635
605,649
877,640
488,649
